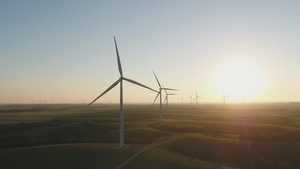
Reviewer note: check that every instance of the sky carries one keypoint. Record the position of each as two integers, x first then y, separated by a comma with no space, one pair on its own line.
63,51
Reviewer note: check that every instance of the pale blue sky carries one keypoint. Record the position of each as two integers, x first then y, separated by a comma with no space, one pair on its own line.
64,50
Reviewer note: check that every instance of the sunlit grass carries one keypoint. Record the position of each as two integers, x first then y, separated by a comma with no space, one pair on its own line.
210,136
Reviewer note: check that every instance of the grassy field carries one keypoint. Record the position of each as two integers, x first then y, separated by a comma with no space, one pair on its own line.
209,136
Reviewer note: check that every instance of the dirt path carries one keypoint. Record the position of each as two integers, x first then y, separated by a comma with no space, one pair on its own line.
158,143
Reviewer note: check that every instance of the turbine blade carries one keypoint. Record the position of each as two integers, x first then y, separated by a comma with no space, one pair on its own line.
157,80
139,84
170,89
108,89
165,99
118,57
156,98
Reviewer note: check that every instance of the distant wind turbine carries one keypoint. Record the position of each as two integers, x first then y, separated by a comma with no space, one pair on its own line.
167,99
120,80
224,98
197,97
160,96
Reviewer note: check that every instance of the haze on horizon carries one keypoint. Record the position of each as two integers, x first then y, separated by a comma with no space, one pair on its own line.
63,51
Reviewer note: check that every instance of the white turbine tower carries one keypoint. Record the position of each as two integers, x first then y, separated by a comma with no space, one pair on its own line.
197,97
160,96
224,98
120,80
167,99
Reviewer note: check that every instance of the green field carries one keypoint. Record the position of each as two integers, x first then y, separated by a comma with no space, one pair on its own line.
213,136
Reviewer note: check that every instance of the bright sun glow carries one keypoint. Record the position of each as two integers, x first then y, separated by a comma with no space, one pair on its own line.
240,80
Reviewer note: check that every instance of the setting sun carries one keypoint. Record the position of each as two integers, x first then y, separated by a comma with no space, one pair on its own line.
239,80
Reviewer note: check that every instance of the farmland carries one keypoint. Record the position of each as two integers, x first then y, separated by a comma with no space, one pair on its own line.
208,136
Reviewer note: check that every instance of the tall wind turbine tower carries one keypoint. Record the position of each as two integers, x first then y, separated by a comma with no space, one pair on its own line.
167,99
120,80
224,98
160,96
197,97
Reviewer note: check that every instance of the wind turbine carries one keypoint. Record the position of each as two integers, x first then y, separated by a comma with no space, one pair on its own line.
160,96
197,97
224,98
167,99
120,80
